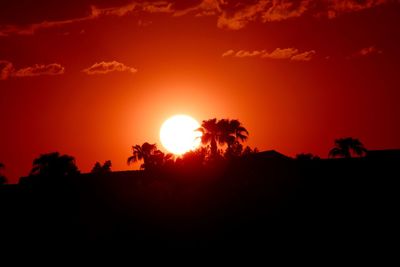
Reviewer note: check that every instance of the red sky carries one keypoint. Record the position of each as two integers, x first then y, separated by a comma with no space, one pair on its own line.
92,78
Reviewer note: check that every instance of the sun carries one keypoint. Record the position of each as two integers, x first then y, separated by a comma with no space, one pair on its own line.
178,134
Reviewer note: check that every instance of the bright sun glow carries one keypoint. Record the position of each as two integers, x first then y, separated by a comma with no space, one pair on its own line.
178,134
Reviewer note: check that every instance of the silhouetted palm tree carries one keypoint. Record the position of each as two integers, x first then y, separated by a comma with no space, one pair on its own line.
232,133
226,132
345,147
241,134
159,159
222,132
143,152
54,165
210,135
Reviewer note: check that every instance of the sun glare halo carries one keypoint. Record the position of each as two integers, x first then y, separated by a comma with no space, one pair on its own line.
178,134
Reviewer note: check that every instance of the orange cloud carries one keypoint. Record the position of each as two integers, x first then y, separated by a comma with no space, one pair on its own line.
337,7
255,53
107,67
37,70
157,7
278,53
240,18
111,11
283,10
305,56
32,28
95,13
205,8
228,53
237,14
233,14
7,70
263,11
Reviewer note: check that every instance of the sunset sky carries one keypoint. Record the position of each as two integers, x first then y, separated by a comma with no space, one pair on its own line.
91,78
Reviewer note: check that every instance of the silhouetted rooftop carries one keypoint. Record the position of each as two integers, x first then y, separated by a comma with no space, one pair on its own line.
271,154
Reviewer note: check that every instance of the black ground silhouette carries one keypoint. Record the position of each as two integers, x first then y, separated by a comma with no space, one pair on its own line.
262,200
209,199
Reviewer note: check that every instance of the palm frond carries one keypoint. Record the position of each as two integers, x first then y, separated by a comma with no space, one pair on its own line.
132,159
334,152
241,137
206,138
359,150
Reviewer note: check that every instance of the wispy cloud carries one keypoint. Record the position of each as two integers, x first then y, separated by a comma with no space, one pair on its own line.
337,7
283,10
32,28
366,51
95,13
37,70
7,70
305,56
233,14
254,53
107,67
228,53
157,7
241,17
237,14
279,10
112,11
279,53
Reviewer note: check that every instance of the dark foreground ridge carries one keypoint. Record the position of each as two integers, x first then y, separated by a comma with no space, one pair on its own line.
260,201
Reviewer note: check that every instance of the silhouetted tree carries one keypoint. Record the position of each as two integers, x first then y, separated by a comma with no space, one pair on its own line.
150,155
3,179
102,169
345,147
233,130
225,131
210,135
232,133
142,152
226,134
234,150
194,158
159,159
107,166
96,168
54,165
